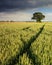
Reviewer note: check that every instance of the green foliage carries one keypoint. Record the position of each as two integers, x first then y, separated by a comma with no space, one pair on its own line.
15,39
38,16
24,60
42,46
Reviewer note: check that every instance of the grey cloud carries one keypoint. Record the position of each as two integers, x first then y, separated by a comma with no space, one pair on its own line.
10,5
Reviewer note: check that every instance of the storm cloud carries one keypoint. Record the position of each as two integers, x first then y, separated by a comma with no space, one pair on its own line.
8,5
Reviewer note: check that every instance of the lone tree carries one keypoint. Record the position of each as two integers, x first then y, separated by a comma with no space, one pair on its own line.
38,16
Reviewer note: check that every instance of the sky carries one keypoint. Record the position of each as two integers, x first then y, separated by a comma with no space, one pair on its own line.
22,10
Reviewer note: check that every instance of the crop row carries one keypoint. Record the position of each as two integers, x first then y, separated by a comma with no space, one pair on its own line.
40,51
11,44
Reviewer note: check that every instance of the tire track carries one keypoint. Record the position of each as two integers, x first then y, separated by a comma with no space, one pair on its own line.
32,39
26,49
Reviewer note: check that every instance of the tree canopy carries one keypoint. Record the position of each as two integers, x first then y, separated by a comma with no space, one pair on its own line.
38,16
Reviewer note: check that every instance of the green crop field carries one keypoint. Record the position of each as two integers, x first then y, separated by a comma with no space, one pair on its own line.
25,43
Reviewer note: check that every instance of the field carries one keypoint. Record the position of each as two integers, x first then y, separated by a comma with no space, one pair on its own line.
25,43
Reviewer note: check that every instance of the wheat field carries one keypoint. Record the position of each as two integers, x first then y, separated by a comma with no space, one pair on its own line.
25,43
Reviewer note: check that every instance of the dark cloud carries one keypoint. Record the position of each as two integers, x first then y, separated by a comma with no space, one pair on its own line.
8,5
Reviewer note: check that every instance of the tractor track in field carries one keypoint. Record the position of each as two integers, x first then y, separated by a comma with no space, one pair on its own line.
26,49
26,28
32,39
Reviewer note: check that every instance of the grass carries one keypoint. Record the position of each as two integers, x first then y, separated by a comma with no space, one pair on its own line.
17,37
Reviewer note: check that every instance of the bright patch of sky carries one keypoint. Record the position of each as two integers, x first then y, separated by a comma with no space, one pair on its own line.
25,15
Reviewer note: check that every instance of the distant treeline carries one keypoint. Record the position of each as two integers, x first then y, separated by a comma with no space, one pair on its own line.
8,21
17,21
